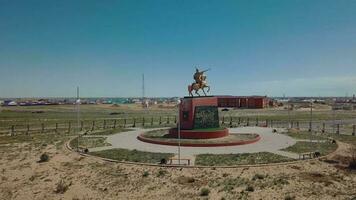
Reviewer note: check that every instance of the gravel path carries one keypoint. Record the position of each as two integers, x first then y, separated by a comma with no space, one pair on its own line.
269,142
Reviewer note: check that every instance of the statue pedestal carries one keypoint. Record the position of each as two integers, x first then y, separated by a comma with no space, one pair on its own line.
199,118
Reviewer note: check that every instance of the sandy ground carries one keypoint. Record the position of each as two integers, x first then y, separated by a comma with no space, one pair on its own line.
22,177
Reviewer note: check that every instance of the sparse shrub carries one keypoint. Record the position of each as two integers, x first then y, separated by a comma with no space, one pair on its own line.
280,181
163,161
288,197
62,187
44,158
190,180
184,179
204,192
258,176
145,174
225,174
250,188
161,173
352,164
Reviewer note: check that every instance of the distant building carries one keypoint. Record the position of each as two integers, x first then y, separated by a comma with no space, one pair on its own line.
243,101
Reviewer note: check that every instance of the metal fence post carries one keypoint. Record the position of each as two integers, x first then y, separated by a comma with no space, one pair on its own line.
69,126
42,128
93,126
353,130
134,122
28,129
104,125
12,130
248,122
256,121
151,121
114,123
143,121
168,120
81,125
323,129
337,128
56,129
160,120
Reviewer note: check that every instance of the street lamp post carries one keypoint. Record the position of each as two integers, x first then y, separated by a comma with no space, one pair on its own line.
311,123
78,104
179,104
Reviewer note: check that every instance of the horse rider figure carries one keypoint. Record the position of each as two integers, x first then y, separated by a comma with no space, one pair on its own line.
199,76
200,82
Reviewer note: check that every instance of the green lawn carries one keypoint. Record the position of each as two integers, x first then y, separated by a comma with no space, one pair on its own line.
239,159
109,131
89,142
132,155
304,135
345,138
302,147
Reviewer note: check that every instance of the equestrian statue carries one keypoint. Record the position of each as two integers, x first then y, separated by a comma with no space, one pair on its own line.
200,83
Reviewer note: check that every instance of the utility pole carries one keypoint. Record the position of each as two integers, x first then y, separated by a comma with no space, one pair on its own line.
78,120
311,123
178,128
289,120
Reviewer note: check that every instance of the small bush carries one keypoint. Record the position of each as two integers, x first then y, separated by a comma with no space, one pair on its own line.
145,174
250,188
352,164
44,158
185,179
161,173
258,176
288,197
61,187
204,192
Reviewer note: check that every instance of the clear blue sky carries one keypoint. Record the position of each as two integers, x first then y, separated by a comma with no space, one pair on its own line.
258,47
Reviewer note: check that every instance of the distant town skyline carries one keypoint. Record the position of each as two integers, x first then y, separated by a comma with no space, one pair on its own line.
274,48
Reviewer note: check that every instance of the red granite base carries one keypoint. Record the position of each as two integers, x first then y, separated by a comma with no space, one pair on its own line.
198,134
193,144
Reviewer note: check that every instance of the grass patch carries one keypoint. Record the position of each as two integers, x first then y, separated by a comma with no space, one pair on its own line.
301,147
304,135
109,132
89,142
204,192
345,138
132,155
239,159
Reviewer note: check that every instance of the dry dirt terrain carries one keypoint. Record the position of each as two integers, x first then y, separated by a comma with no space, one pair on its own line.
68,175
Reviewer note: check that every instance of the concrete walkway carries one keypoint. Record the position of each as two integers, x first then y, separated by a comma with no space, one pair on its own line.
269,142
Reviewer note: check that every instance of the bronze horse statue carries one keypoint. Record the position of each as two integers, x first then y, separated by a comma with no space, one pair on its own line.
198,86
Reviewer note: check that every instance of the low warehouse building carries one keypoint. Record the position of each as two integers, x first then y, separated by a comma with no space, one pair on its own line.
243,101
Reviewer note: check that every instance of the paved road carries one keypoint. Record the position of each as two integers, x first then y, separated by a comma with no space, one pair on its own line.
269,142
